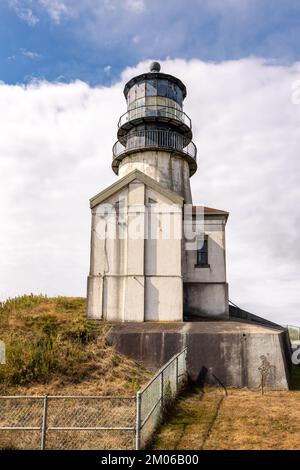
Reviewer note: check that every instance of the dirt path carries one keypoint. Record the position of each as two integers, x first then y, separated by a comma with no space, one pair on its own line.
243,420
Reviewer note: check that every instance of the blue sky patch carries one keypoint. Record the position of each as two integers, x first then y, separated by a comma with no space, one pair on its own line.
94,40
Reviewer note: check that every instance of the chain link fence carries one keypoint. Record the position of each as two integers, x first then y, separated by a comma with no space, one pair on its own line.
90,422
294,332
67,422
157,396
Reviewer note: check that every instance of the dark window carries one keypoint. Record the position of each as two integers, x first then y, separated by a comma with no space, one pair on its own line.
202,252
162,87
151,88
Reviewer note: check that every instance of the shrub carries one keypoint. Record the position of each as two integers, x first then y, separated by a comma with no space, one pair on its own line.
38,344
51,340
82,331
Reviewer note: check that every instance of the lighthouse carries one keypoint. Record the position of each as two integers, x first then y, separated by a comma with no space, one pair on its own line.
143,265
155,134
158,261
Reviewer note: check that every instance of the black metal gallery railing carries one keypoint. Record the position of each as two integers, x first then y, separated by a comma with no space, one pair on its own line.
169,112
169,140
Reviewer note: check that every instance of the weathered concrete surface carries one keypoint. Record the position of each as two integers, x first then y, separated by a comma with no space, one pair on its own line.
231,350
206,300
136,256
205,287
171,171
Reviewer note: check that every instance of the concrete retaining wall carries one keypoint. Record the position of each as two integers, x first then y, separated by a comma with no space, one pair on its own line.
231,350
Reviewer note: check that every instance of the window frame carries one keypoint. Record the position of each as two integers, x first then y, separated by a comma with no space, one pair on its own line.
201,252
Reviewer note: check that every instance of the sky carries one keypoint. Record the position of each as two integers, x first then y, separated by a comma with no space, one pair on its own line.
63,65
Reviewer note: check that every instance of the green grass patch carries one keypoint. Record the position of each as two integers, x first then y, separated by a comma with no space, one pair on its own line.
295,384
50,340
43,337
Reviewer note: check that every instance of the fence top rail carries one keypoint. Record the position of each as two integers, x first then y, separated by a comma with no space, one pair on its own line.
90,428
20,428
158,373
49,397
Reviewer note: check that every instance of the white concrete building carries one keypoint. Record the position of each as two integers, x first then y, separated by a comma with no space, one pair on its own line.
144,266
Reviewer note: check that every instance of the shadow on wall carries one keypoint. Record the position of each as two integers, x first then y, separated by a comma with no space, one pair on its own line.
151,292
205,295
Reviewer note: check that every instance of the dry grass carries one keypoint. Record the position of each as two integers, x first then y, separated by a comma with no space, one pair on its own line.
248,420
243,420
53,349
189,423
68,412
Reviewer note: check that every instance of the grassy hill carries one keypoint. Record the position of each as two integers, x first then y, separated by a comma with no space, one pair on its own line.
51,347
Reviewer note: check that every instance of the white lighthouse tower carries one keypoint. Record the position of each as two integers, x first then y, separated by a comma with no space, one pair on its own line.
152,271
142,266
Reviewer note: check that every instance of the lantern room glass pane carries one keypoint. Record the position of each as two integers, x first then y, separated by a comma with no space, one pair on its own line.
162,87
151,87
140,90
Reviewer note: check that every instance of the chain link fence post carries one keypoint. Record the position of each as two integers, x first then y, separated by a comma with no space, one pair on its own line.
44,423
162,389
138,422
176,375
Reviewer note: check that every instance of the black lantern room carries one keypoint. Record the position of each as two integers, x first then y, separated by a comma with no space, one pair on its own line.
155,119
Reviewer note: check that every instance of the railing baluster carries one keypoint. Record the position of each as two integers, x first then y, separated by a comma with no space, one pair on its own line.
155,110
155,138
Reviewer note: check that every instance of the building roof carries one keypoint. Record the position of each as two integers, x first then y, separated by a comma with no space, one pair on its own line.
211,211
151,76
135,174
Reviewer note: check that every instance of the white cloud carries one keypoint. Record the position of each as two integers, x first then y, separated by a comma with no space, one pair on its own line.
107,69
27,10
55,8
136,39
225,4
132,5
30,54
55,153
135,5
23,11
55,156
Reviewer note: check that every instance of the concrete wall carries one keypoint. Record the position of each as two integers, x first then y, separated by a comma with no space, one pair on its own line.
171,171
131,277
214,229
232,351
206,300
234,357
205,288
